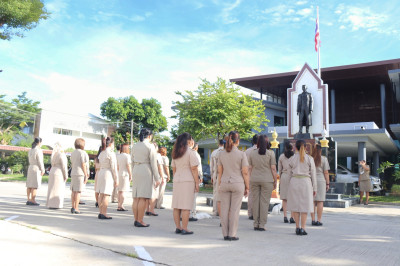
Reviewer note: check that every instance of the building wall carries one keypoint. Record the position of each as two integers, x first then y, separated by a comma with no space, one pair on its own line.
64,128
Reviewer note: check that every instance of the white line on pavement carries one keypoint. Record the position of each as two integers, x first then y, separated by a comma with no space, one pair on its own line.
11,218
142,253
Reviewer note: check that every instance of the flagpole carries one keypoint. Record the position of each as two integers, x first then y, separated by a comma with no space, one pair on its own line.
319,46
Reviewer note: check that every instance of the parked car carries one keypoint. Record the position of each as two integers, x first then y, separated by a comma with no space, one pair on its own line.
344,175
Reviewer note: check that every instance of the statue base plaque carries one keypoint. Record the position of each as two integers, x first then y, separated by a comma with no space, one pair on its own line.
303,136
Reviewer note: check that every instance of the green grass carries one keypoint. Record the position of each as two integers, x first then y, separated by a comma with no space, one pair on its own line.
206,189
395,189
390,199
132,255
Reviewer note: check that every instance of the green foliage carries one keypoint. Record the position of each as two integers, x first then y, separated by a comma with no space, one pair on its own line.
123,110
19,158
17,16
395,189
214,109
391,175
15,115
385,165
17,168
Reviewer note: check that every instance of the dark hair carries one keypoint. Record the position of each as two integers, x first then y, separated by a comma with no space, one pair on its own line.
263,144
221,142
162,151
124,148
231,139
98,153
300,146
288,149
144,133
106,142
316,154
36,142
79,143
254,141
180,145
119,147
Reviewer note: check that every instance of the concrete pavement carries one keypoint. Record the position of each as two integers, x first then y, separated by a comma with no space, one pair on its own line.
359,235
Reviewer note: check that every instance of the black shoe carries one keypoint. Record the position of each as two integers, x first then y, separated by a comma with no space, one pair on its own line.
97,205
103,217
192,219
35,204
318,223
234,238
251,218
141,225
72,210
152,214
313,223
162,208
122,210
81,203
77,212
292,221
28,203
285,220
227,238
298,231
184,232
98,216
147,213
178,231
256,228
261,229
303,232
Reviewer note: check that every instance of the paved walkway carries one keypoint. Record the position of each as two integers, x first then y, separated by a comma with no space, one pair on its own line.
359,235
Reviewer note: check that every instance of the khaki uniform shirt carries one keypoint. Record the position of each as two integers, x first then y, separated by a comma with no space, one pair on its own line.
232,163
214,163
303,169
283,164
78,157
322,168
364,174
261,166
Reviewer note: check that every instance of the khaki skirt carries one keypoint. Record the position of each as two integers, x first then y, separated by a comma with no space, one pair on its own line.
183,195
105,182
123,183
283,186
321,189
77,183
34,177
365,186
300,195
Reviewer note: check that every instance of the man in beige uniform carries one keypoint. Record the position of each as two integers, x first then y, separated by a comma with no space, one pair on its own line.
114,196
214,177
250,198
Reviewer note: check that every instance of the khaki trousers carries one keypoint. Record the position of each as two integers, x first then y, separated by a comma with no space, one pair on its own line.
261,198
114,197
230,195
215,196
250,203
193,210
160,198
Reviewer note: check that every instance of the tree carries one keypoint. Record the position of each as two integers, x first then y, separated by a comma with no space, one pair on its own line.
15,115
17,16
124,110
214,109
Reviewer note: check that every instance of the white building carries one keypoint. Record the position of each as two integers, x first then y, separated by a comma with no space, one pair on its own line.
64,128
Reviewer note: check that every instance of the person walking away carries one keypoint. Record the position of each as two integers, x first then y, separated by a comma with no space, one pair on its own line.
283,168
57,177
364,181
152,202
164,163
250,197
79,173
302,186
115,195
35,172
263,180
97,170
192,217
124,175
214,177
185,182
145,175
233,180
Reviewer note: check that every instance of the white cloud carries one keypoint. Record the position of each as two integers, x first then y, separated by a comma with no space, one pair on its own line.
285,13
226,15
299,3
305,12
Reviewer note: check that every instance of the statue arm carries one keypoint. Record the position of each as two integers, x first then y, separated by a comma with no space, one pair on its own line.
311,103
298,104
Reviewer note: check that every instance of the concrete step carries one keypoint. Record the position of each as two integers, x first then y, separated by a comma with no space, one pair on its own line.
333,196
341,203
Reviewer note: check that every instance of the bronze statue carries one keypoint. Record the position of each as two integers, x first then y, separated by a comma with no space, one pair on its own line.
304,109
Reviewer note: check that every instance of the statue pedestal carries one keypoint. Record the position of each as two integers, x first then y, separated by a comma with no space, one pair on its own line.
303,136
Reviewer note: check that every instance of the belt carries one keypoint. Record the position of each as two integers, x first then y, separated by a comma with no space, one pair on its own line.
301,176
140,163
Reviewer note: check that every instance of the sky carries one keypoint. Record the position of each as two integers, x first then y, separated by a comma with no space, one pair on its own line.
90,50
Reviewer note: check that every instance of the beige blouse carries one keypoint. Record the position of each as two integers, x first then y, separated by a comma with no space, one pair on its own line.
261,166
322,168
303,169
124,161
35,157
232,163
283,164
183,165
78,157
364,174
108,160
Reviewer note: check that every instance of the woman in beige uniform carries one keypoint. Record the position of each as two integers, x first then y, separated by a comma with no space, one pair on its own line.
57,177
35,171
107,179
124,175
186,181
233,178
263,180
79,173
145,175
283,168
364,182
302,186
322,170
165,170
96,170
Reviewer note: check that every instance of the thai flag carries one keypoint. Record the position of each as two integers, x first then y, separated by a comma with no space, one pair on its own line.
317,41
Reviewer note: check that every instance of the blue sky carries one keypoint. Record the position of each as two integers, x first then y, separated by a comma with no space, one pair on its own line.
91,50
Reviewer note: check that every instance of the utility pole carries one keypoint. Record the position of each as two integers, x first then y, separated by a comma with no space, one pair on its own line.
131,136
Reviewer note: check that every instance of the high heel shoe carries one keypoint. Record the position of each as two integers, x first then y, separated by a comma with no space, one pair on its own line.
303,232
298,231
227,238
72,210
178,231
97,205
285,220
184,232
138,224
234,238
292,221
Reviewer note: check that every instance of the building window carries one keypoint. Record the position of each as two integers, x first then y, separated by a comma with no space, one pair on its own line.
279,121
62,131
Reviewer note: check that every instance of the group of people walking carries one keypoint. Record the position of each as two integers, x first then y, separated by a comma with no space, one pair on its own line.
304,180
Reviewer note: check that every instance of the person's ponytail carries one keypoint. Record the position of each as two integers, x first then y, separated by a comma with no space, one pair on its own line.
231,139
302,153
36,142
300,146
